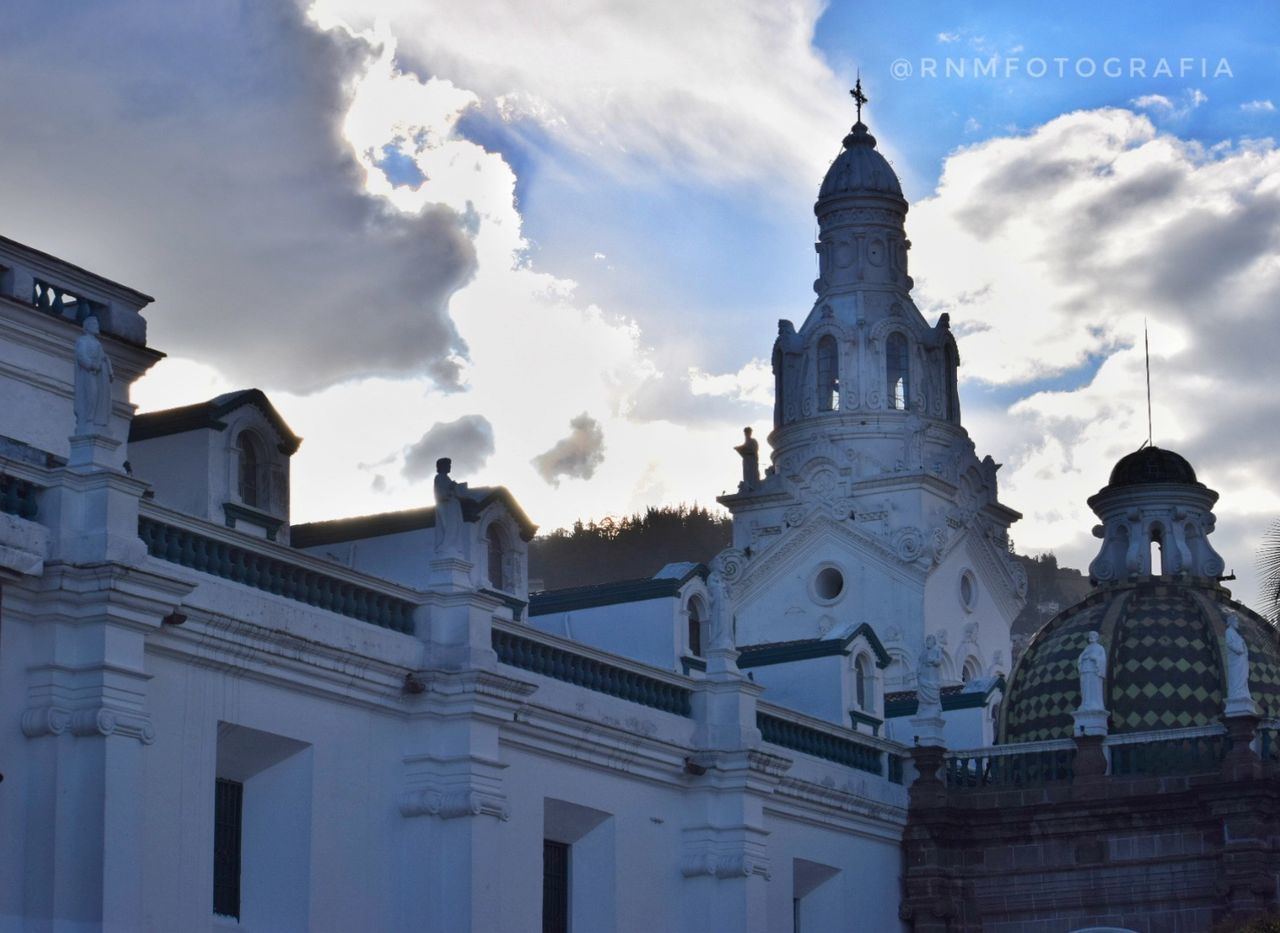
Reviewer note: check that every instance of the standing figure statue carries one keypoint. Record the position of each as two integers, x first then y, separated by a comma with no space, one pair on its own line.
1092,665
749,450
448,511
1237,661
721,612
929,680
92,402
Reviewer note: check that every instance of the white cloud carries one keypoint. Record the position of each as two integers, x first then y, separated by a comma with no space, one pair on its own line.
721,91
1258,106
1152,101
1050,249
948,37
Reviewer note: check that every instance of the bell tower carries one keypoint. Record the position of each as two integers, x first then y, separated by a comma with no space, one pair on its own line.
872,474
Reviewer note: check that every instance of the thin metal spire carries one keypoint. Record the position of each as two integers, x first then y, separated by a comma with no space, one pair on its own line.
1146,346
858,96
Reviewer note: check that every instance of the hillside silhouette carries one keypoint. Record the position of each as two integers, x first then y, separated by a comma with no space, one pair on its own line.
626,548
639,545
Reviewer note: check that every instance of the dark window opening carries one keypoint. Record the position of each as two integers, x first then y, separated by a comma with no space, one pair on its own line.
861,682
251,486
228,803
695,631
555,887
896,369
828,374
497,558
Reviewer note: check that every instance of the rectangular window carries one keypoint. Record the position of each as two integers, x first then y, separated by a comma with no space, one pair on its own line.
555,887
228,804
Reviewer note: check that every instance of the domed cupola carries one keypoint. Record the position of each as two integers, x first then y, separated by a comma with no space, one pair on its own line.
861,219
860,170
1163,628
1154,510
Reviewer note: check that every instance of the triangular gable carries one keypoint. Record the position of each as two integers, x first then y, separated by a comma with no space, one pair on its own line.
210,415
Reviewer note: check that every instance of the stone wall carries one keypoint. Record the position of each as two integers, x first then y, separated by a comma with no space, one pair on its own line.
1148,854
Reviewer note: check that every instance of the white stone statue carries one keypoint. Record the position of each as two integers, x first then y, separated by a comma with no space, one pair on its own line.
929,680
749,450
1092,665
92,401
1238,698
449,494
721,627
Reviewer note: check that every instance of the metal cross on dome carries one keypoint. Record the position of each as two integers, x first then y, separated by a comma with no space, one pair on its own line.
859,97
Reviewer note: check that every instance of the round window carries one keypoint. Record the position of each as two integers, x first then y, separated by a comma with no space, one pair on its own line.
828,584
968,590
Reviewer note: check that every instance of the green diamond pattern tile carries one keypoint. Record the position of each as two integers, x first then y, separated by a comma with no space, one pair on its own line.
1163,659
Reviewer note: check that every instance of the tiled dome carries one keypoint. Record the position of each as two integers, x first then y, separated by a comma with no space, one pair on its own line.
1164,661
1151,465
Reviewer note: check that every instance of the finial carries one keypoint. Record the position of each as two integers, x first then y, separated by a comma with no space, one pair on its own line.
858,96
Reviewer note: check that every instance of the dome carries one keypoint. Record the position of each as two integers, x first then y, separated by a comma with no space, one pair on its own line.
1151,465
860,169
1164,661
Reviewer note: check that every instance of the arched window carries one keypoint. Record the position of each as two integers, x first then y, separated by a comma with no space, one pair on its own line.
896,365
695,629
497,557
971,671
828,374
252,471
862,682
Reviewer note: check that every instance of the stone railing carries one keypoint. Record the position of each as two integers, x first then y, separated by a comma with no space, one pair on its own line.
1196,750
787,729
540,653
1024,764
274,569
18,497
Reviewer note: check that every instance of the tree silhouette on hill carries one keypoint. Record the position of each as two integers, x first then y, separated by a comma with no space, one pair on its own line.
626,548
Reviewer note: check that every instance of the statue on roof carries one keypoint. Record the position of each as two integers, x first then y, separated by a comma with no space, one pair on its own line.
749,450
1092,666
92,399
1239,700
721,627
448,519
929,680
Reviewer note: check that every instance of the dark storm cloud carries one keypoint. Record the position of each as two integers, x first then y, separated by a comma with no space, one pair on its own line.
576,455
193,151
468,442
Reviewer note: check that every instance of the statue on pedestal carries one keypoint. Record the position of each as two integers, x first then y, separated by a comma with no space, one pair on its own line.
1092,665
749,450
1239,700
929,680
448,527
721,627
92,401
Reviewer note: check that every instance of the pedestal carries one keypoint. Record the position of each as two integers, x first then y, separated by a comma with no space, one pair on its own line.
449,572
1090,722
927,790
95,451
927,730
1241,762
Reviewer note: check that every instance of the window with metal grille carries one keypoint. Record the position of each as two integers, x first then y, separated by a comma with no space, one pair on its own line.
555,887
228,802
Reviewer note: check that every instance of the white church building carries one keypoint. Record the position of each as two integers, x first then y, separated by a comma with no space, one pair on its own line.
211,719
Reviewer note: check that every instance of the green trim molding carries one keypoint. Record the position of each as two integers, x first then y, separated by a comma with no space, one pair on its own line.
784,652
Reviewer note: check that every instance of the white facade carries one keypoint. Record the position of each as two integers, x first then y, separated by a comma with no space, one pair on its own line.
405,735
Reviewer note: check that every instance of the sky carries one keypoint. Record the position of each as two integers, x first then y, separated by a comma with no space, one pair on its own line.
553,242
